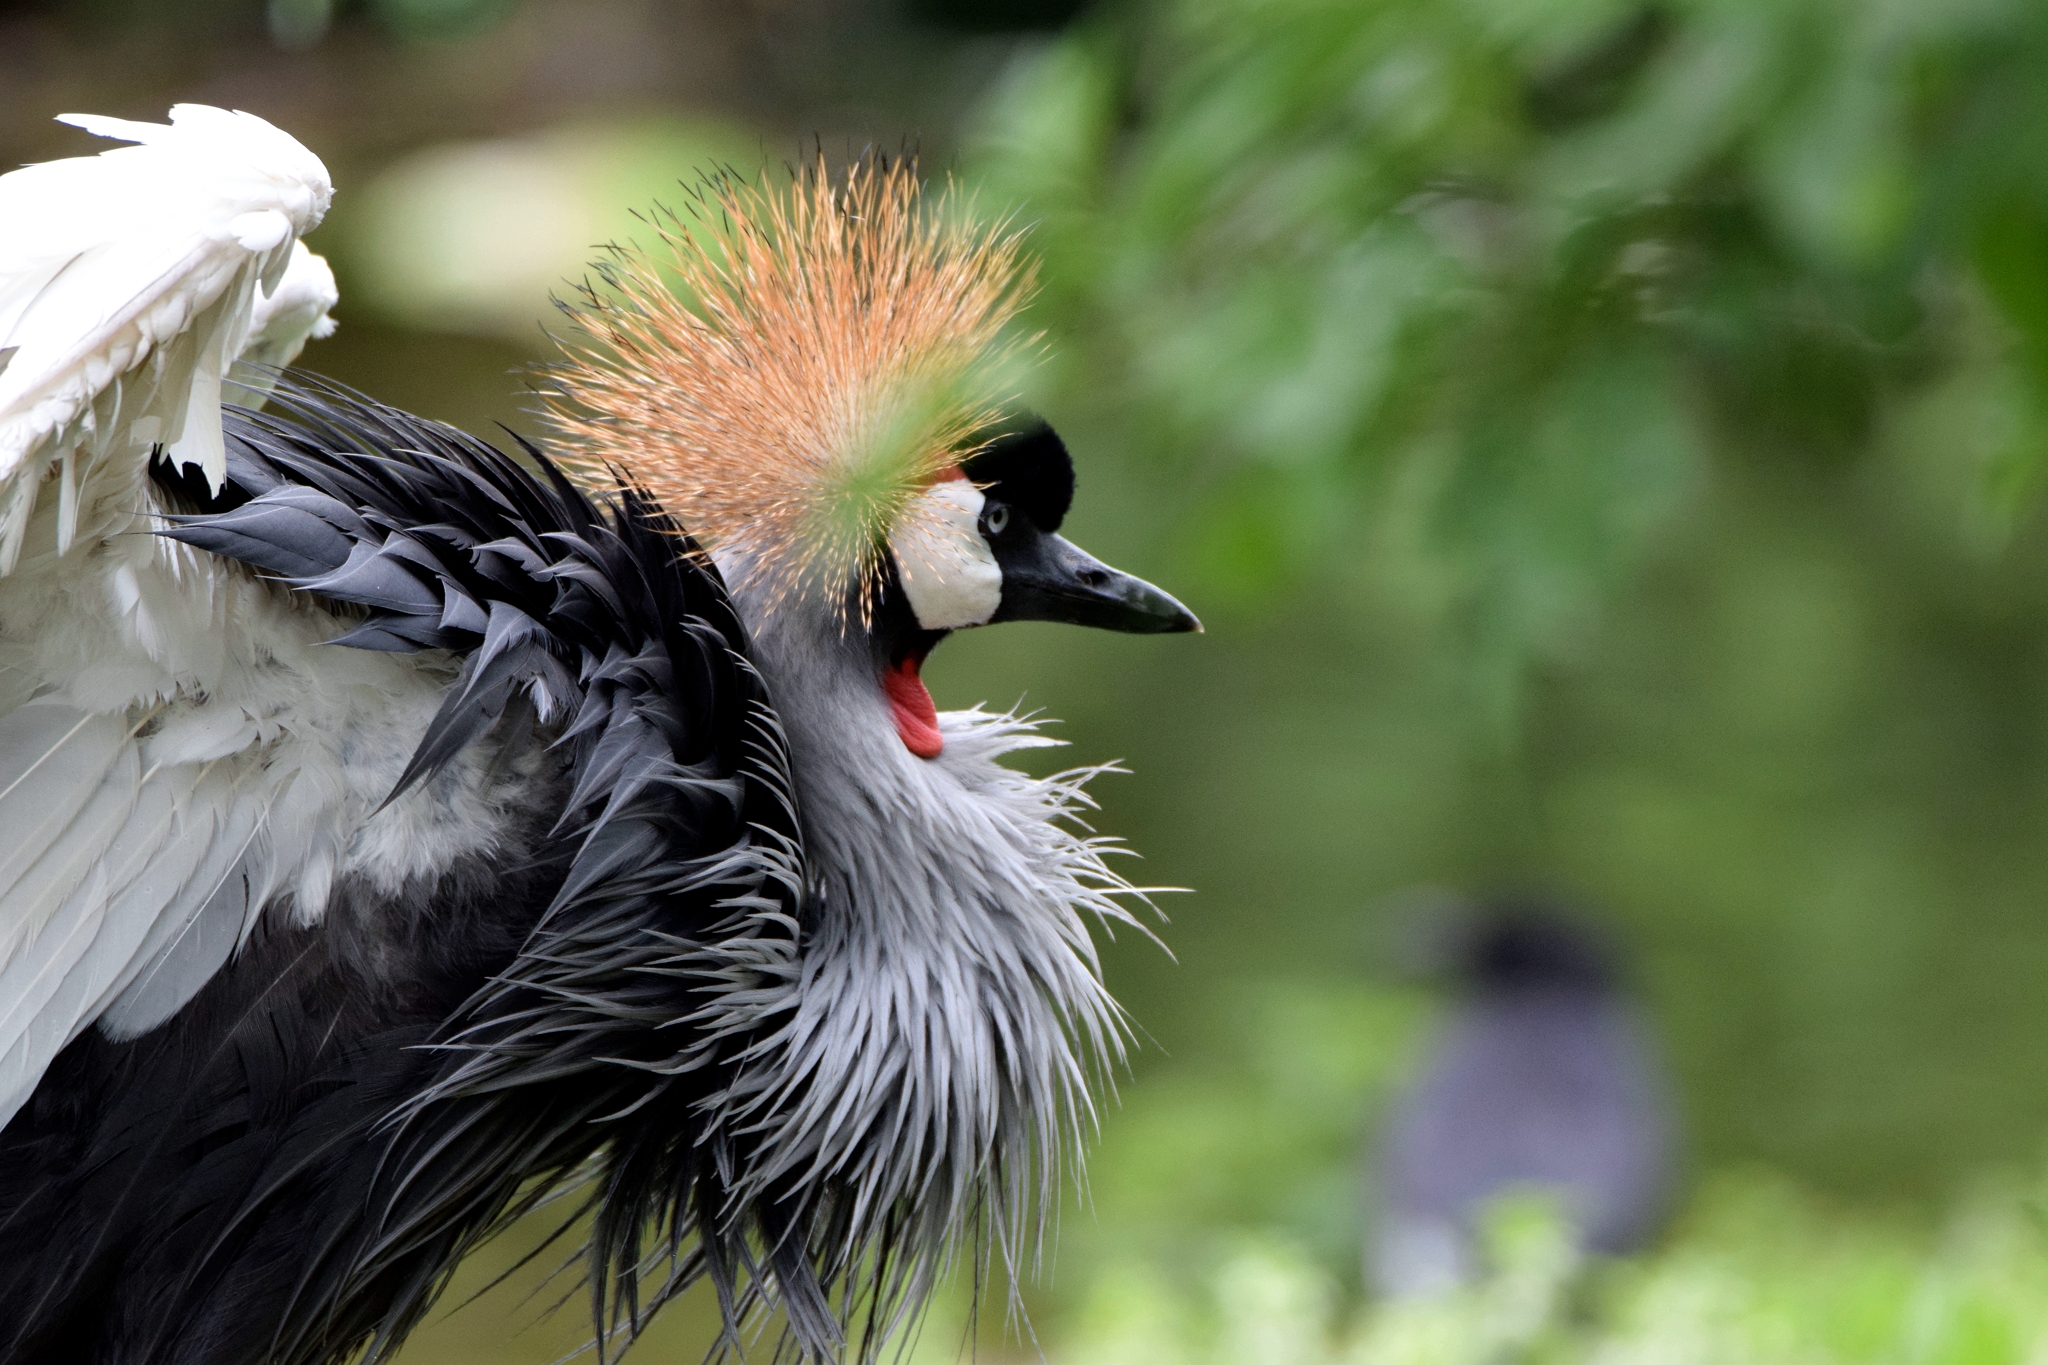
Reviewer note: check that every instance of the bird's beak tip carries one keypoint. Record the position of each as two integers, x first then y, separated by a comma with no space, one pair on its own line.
1152,611
1055,580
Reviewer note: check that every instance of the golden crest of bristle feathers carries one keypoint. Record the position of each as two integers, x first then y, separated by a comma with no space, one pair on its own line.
793,365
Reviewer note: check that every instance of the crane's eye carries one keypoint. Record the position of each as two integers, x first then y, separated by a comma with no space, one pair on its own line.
996,519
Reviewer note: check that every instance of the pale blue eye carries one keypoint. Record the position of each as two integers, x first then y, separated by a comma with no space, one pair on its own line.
997,519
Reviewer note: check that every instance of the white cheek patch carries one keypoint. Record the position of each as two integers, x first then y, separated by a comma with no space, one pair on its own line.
949,574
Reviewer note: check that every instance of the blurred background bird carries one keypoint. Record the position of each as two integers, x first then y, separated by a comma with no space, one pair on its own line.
397,834
1543,1082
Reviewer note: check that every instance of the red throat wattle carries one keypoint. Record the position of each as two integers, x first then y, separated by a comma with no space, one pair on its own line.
917,720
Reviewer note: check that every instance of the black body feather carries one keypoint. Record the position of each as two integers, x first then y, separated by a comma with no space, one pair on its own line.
292,1165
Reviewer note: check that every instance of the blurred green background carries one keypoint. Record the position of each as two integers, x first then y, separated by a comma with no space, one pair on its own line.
1603,440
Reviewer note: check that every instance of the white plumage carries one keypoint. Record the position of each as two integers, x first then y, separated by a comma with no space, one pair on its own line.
281,323
175,750
127,286
948,573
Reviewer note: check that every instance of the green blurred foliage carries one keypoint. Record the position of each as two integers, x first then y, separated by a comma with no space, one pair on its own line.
1553,262
1760,1275
1600,439
477,238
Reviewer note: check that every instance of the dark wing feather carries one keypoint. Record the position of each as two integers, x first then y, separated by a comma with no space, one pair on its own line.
681,814
292,1167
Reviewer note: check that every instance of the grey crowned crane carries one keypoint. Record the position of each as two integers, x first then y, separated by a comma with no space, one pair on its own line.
394,834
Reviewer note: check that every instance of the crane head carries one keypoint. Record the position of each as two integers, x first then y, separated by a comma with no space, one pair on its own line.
817,384
989,550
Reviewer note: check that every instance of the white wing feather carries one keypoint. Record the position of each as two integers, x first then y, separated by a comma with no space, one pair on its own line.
127,284
281,324
177,750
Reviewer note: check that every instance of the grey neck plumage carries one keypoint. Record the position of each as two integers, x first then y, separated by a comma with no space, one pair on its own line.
948,988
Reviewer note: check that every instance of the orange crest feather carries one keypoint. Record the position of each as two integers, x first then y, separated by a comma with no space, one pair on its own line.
794,368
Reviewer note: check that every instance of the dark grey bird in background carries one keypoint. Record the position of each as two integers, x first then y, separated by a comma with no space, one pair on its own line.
1543,1078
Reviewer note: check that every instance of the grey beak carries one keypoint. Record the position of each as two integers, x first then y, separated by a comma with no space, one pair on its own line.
1049,578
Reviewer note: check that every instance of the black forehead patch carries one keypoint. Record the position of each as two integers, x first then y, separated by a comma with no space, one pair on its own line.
1030,470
